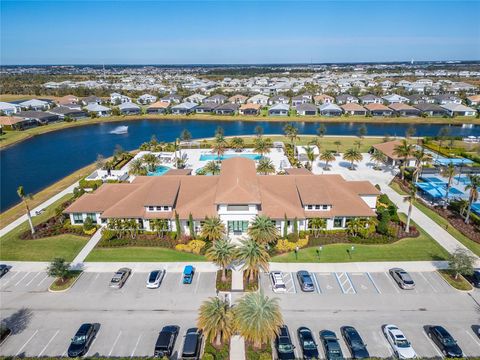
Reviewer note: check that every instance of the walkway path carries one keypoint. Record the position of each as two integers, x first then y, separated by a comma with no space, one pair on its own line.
237,280
237,348
40,207
82,255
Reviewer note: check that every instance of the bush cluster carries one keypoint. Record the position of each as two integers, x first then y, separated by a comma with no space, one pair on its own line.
193,246
286,246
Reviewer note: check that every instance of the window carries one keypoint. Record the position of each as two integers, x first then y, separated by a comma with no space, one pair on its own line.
92,216
165,208
309,207
237,207
317,207
337,222
325,207
77,218
151,208
159,208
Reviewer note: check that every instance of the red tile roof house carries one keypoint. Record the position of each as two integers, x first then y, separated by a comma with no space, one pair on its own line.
237,195
354,109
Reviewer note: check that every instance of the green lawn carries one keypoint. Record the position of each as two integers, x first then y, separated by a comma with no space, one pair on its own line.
422,248
141,254
46,249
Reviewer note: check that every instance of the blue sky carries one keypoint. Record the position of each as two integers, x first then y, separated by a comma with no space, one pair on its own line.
182,32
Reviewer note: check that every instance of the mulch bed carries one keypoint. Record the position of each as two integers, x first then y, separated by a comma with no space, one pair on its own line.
458,223
52,227
224,286
250,286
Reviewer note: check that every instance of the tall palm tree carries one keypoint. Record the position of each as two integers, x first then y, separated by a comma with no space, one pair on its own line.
215,319
404,150
473,196
410,198
213,228
151,160
310,153
327,156
24,197
237,143
221,253
378,158
317,225
262,146
254,257
219,145
448,172
263,230
136,167
257,318
291,132
337,144
358,143
212,167
421,158
185,135
352,155
265,166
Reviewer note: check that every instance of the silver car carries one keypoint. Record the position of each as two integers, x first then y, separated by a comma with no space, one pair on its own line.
155,279
402,278
120,277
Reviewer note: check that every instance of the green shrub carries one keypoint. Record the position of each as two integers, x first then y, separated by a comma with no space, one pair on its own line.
108,234
90,184
208,356
88,224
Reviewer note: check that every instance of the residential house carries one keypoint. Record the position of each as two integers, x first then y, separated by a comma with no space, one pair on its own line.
173,99
205,108
453,109
236,196
34,104
16,123
184,108
279,109
238,99
258,99
215,99
346,99
388,149
330,110
430,109
323,99
306,109
159,107
401,109
443,99
226,109
195,98
250,109
129,108
91,100
116,99
354,109
146,99
378,110
420,99
473,100
39,116
98,110
68,99
301,99
279,99
8,108
370,99
65,112
394,98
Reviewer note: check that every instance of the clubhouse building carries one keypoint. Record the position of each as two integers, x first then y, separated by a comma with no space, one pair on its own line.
236,196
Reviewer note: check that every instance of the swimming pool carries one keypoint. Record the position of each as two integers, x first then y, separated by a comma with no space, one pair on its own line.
210,157
159,171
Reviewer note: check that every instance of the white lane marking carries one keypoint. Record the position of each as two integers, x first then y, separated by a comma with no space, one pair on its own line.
293,283
19,281
389,346
91,345
33,278
373,282
392,282
45,348
26,343
45,278
433,345
343,280
429,283
136,344
339,283
314,277
351,283
473,338
114,343
64,353
198,282
10,279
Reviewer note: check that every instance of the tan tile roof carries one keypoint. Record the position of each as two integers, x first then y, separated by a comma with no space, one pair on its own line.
67,99
10,120
238,98
363,187
159,105
400,106
387,148
322,97
250,106
374,106
474,98
298,171
353,107
178,172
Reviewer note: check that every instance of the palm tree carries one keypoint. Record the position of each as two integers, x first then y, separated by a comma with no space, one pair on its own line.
310,153
185,135
321,130
262,146
237,143
258,131
421,157
215,319
263,230
352,155
354,226
378,158
151,160
257,318
212,167
337,144
159,225
291,132
265,166
24,197
136,168
473,196
327,156
219,145
448,172
410,198
221,253
358,143
403,150
254,257
213,229
317,224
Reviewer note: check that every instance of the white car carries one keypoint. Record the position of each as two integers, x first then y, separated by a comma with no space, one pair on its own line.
278,285
155,279
399,343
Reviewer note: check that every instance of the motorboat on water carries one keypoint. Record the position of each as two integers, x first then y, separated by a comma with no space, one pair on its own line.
119,130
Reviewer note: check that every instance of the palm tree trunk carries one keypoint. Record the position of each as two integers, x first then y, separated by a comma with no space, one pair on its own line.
224,274
467,218
446,196
32,229
218,339
410,208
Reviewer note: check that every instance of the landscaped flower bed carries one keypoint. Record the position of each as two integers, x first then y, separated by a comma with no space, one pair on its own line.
224,286
52,227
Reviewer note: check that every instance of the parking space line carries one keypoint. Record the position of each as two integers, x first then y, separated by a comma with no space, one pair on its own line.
33,278
11,278
473,338
373,282
136,345
293,283
41,282
342,283
26,343
198,282
429,283
114,343
314,277
91,345
431,343
351,283
45,348
391,282
19,281
389,346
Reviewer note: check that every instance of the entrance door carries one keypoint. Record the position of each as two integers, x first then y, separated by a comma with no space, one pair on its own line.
237,227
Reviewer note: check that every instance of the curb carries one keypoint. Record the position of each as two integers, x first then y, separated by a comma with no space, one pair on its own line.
462,291
65,290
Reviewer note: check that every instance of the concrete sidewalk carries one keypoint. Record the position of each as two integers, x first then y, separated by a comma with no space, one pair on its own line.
237,280
40,207
237,348
82,255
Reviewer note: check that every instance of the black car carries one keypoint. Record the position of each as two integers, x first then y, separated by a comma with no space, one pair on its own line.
445,342
331,346
192,345
305,281
82,340
354,342
166,341
3,269
283,344
474,278
307,343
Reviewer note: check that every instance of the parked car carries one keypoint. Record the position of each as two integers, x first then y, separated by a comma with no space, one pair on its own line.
474,279
283,344
155,279
307,343
3,269
305,281
402,278
166,341
188,273
192,346
355,344
445,342
399,343
278,285
120,277
331,346
82,340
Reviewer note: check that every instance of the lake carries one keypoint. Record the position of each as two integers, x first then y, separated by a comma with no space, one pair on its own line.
45,159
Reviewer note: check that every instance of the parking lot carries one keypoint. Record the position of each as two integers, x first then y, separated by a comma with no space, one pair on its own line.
24,281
